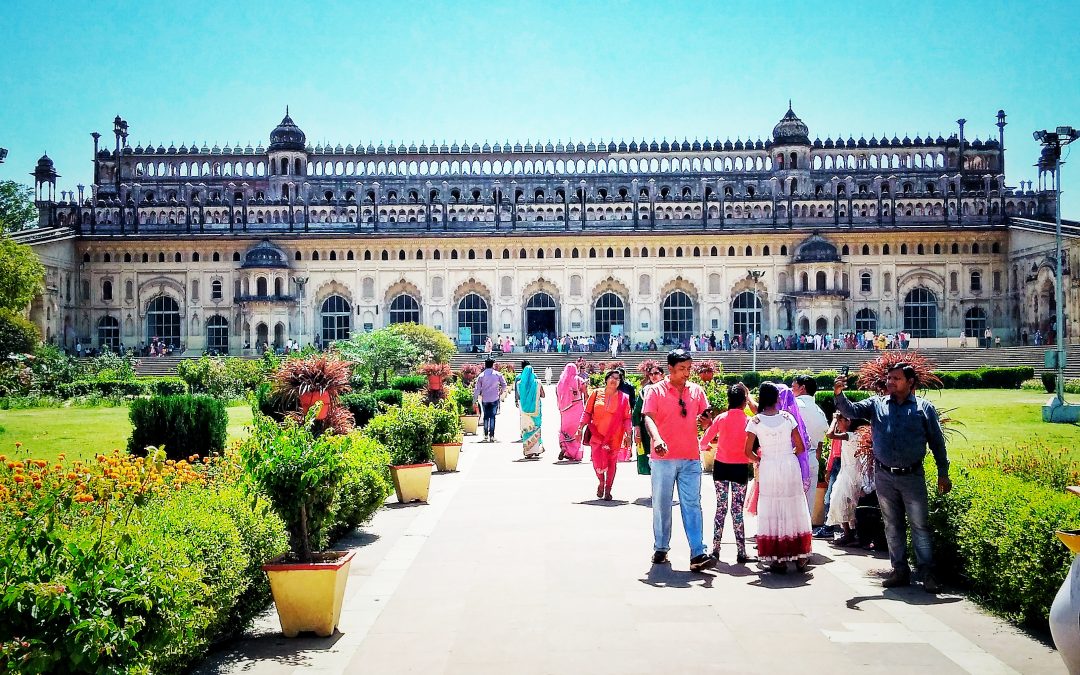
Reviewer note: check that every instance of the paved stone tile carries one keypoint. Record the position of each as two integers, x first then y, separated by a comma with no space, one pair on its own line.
516,567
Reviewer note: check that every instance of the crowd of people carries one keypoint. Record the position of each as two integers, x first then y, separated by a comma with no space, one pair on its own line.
766,458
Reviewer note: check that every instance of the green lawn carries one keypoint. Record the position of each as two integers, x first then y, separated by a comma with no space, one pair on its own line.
81,432
995,418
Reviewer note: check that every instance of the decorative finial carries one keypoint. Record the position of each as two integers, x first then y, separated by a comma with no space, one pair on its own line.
286,110
789,105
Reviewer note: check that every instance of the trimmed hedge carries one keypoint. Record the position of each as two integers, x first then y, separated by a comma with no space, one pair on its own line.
160,386
824,399
184,425
409,383
362,406
995,534
388,396
985,378
365,485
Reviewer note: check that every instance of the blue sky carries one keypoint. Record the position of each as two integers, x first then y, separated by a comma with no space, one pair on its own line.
356,72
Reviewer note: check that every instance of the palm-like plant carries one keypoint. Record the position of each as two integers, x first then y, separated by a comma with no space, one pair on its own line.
318,374
872,374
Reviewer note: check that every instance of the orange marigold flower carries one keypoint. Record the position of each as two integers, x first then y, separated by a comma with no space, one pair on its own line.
19,478
37,484
18,444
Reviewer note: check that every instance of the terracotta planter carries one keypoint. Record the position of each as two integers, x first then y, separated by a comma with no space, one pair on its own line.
818,516
446,455
708,458
469,423
411,482
309,399
308,596
434,382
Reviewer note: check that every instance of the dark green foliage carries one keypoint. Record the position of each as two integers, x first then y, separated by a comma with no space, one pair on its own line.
120,388
185,425
388,396
364,485
228,378
406,431
166,386
824,399
362,406
409,383
751,379
995,533
1049,381
17,334
730,379
446,424
986,378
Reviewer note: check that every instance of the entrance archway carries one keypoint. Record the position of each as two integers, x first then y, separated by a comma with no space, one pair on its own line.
541,315
822,325
279,335
262,336
610,311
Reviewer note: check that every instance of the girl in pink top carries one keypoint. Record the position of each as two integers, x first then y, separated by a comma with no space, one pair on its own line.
731,470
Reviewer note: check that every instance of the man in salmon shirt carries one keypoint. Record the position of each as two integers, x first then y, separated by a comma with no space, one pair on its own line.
672,407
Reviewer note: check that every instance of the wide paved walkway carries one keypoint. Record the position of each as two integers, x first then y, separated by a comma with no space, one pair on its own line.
515,567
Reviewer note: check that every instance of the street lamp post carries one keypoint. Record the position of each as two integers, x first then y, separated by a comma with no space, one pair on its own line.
300,283
1057,410
755,275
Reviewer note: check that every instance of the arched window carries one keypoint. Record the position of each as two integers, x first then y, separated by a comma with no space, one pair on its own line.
865,320
217,334
163,321
108,331
473,314
820,280
541,313
260,287
215,289
864,282
920,313
609,311
336,319
404,309
678,317
106,290
976,281
975,322
746,313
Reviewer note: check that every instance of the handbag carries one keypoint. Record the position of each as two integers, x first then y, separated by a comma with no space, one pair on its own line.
586,437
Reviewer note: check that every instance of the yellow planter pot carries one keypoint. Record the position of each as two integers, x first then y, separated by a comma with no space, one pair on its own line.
818,516
308,596
446,455
708,458
469,423
411,482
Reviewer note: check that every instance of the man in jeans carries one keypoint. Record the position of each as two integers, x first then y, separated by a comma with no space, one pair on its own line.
488,391
671,409
902,425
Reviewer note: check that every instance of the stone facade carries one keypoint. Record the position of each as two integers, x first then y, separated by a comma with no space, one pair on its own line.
225,248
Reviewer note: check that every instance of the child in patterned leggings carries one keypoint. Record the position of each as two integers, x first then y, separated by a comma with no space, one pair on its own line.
731,469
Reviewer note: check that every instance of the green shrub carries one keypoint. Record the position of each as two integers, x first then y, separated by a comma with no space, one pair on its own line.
1005,378
17,334
1053,468
166,386
222,377
185,425
751,379
392,397
405,431
445,424
730,379
362,406
409,383
996,533
104,388
824,399
1049,381
364,486
433,345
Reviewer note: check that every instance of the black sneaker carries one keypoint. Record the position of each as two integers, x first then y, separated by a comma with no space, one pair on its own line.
930,583
823,532
702,562
896,579
659,558
742,559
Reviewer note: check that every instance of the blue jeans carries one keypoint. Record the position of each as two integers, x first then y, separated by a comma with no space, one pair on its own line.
833,473
666,474
900,496
490,411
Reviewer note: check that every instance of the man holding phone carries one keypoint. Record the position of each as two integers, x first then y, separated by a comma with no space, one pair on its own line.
672,407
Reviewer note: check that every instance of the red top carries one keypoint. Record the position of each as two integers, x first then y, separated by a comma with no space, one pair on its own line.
677,430
729,430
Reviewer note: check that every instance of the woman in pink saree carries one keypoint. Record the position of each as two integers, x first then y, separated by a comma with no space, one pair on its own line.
570,393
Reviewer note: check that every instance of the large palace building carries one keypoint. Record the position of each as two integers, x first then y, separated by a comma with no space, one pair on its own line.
225,248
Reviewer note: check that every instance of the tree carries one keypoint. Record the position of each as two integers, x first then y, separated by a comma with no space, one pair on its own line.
21,275
17,210
17,335
379,353
433,344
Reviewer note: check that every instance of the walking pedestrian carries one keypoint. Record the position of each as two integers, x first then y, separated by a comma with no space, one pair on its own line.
783,518
643,442
902,425
488,391
731,469
606,416
570,395
530,395
671,408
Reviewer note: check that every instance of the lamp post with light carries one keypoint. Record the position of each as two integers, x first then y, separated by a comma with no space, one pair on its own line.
300,283
1057,410
755,275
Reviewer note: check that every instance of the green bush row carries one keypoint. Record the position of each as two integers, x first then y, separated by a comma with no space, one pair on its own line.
985,378
227,378
409,383
996,533
159,386
184,425
824,399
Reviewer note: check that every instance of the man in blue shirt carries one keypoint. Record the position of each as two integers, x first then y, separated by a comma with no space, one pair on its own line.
902,425
488,391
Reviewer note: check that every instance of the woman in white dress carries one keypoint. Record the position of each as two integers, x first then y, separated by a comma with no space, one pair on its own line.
851,483
783,531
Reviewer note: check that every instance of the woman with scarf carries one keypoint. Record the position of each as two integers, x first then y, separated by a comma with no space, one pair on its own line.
570,393
787,403
530,394
606,416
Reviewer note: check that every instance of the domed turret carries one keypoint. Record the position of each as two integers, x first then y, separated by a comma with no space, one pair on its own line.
287,136
791,130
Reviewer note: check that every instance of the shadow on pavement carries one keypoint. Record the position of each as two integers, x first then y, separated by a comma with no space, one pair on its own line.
252,650
912,595
662,576
407,505
792,579
601,502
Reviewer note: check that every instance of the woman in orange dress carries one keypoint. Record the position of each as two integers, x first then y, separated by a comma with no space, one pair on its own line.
606,416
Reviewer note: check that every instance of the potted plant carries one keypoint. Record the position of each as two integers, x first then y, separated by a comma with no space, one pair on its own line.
435,373
406,431
647,365
469,373
316,379
300,473
463,399
705,370
445,438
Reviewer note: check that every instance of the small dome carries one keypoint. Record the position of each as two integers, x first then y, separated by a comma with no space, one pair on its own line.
287,136
816,248
264,254
791,130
